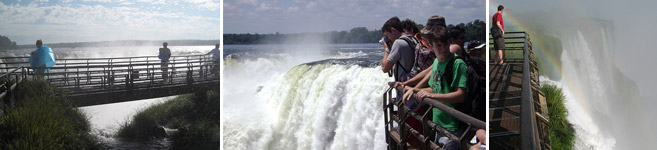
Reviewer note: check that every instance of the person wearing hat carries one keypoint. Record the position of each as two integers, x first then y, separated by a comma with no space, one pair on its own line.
425,56
439,89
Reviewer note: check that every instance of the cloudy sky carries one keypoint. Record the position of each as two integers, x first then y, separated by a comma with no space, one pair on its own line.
296,16
57,21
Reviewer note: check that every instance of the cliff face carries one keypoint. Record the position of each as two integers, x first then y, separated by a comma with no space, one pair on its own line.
6,44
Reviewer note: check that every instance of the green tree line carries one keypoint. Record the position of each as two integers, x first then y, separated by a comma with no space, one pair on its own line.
475,30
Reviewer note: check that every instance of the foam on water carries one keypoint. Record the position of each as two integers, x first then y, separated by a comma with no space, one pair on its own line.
275,103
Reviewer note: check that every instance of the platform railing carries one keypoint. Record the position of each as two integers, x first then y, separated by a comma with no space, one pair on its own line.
8,82
93,75
533,126
429,128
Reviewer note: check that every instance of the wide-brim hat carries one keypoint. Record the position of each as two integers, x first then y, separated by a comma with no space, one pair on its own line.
433,21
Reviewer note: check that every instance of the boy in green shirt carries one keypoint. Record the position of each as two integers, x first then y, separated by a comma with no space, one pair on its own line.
439,89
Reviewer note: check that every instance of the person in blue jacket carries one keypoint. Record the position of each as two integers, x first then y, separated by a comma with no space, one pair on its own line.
42,58
165,54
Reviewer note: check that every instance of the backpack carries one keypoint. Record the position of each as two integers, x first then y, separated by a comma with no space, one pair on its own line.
495,30
411,43
475,91
423,57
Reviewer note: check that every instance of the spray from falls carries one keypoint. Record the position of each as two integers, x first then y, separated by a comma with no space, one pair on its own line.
295,102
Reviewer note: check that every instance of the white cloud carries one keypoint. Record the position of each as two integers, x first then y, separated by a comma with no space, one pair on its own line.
248,2
331,15
94,23
102,1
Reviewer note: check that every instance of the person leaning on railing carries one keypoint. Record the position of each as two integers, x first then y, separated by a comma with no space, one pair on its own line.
438,89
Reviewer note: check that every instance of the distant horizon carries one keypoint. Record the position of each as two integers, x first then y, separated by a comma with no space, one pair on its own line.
120,41
368,29
115,43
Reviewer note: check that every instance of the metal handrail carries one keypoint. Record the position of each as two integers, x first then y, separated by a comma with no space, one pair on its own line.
428,123
101,58
528,138
17,79
109,74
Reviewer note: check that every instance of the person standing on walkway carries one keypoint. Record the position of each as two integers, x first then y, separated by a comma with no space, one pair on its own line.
165,54
498,33
42,58
215,59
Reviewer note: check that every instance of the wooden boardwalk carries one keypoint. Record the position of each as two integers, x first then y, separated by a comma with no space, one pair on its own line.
517,108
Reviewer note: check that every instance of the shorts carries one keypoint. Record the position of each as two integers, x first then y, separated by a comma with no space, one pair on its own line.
498,43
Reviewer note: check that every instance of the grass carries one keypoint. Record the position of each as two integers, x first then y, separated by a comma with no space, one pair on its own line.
561,131
42,120
196,116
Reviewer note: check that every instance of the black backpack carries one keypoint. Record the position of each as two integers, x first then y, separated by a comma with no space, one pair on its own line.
417,47
494,30
475,91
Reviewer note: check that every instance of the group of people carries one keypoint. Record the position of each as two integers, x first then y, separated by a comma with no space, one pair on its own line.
432,63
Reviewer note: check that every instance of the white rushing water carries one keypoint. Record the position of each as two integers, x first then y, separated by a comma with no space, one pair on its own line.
603,104
275,103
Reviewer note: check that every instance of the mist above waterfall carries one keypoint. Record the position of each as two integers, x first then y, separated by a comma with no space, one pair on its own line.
606,67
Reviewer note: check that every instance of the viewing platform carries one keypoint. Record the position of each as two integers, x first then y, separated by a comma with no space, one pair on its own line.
518,114
97,81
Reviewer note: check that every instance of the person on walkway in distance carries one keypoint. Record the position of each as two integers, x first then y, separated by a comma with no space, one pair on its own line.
42,58
215,59
164,55
498,33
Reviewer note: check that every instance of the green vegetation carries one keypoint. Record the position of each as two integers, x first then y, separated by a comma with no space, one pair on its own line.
475,30
6,44
196,116
561,131
42,120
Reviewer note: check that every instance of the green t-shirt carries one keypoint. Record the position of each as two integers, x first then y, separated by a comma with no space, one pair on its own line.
439,117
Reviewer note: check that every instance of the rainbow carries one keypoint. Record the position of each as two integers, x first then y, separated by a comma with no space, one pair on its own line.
541,49
512,21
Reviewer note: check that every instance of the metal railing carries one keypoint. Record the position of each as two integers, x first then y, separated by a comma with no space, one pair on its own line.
86,76
528,138
429,128
8,82
532,134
